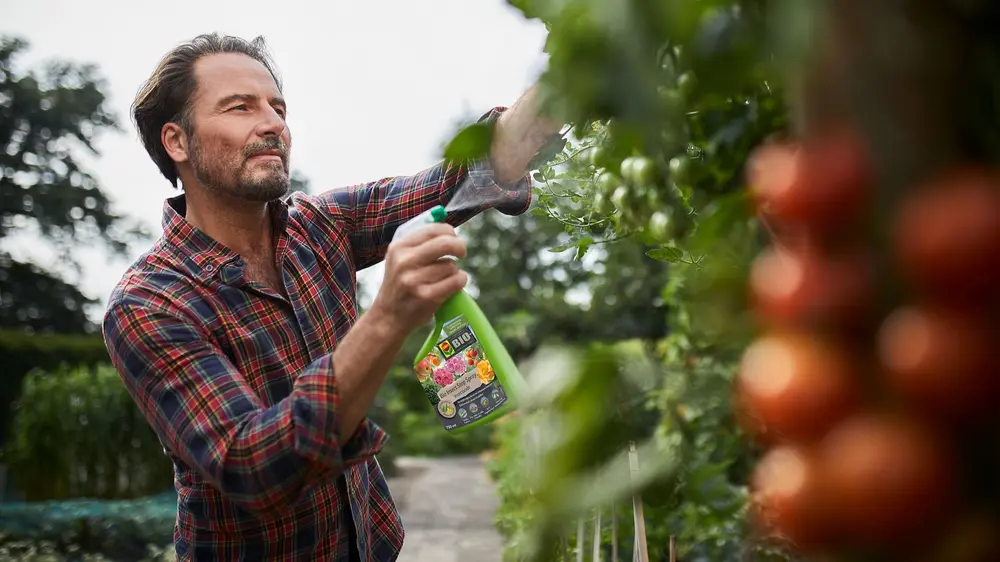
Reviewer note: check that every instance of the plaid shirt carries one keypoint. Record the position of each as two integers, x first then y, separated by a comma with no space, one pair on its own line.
237,380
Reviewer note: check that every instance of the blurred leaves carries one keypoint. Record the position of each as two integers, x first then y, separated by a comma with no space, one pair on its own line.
49,120
472,142
34,299
45,120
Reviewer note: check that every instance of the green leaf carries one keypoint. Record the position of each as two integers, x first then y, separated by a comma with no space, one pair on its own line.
470,143
582,246
669,254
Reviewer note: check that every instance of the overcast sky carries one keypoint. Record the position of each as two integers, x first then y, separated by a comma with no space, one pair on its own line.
374,86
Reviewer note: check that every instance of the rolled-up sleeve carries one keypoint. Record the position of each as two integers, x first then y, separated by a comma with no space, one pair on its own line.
203,410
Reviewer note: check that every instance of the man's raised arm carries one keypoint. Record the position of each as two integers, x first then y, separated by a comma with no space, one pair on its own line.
520,133
371,212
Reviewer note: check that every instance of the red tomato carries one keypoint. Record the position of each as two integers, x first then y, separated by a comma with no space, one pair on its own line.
944,361
824,183
796,387
890,480
794,289
787,498
947,236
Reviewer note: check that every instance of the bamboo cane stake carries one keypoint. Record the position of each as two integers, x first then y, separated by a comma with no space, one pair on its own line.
642,553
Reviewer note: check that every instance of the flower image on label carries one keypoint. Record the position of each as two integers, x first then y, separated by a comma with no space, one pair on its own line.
457,376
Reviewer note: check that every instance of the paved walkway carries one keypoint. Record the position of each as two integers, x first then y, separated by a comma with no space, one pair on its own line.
447,506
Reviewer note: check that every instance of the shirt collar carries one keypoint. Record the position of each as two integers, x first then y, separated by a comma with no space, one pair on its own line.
201,254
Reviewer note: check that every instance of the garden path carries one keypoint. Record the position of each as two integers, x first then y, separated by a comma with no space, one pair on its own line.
447,506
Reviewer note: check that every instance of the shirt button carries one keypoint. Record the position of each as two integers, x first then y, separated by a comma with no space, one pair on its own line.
209,267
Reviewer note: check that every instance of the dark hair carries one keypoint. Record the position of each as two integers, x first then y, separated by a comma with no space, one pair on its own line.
165,97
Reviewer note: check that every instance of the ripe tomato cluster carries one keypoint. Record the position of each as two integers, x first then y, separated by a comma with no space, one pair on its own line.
859,409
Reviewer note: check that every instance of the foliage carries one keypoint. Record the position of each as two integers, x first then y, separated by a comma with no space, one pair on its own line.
77,433
530,286
21,352
299,182
46,119
667,100
35,301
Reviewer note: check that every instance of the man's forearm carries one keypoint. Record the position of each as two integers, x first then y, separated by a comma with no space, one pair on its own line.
360,363
519,134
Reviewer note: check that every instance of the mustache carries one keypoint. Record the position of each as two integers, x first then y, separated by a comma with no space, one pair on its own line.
268,145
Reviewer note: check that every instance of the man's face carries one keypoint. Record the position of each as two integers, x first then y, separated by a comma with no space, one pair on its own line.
239,145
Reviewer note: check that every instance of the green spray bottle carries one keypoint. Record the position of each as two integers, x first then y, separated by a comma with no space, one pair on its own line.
463,367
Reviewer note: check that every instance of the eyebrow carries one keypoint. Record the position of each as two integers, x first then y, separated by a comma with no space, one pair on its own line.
276,100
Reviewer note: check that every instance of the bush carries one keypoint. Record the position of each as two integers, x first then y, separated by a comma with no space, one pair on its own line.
21,352
77,433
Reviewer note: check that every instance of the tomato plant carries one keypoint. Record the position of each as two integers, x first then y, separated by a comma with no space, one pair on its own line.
824,193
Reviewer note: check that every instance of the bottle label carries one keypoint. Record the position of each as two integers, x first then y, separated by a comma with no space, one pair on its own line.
457,376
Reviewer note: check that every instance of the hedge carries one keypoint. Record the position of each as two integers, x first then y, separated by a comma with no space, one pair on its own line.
77,433
21,352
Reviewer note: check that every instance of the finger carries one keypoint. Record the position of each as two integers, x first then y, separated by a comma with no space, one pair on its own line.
438,292
430,274
425,233
434,249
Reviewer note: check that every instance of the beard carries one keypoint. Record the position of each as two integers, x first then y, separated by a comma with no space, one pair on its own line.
231,176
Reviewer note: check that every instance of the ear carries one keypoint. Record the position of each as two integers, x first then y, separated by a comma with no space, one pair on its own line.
175,142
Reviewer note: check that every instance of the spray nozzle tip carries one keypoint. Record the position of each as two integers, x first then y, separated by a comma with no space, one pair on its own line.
438,214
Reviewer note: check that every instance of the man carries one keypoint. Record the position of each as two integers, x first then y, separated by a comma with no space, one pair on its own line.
237,333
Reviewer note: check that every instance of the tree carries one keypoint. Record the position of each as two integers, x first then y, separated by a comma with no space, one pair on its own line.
46,118
299,182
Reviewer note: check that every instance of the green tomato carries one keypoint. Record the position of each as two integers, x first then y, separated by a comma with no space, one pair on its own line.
597,155
607,182
679,168
601,204
638,170
667,65
643,171
672,101
620,198
686,84
658,226
627,168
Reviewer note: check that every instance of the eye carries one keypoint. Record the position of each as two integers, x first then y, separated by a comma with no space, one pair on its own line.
240,107
280,111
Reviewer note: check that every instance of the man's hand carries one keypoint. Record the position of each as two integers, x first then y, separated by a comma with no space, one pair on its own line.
520,132
419,276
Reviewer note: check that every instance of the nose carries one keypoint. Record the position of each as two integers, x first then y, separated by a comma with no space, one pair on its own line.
271,124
